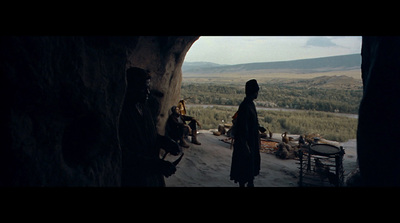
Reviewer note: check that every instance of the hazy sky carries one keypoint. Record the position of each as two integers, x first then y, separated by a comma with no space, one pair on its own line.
249,49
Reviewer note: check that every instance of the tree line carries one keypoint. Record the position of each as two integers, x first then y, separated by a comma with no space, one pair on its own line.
281,96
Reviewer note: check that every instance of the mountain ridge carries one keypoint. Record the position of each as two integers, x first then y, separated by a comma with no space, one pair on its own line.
321,64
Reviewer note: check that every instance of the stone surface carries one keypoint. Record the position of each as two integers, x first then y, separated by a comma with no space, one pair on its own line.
62,97
378,154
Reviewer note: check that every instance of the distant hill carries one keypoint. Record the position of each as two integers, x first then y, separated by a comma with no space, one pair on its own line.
187,66
323,64
327,82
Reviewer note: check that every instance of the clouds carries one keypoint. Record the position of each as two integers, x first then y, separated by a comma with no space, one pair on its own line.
249,49
320,42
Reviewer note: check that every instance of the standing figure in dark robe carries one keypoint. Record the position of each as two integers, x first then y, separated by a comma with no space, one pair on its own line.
246,148
140,142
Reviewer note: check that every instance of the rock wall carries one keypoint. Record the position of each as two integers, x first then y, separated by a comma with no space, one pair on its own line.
61,100
163,56
379,114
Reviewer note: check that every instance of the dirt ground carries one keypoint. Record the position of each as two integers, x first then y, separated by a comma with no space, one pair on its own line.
208,165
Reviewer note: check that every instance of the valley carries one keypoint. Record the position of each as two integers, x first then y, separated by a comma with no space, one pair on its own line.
293,94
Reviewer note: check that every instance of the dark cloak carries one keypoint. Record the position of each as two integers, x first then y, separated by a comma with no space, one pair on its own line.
246,148
140,152
175,124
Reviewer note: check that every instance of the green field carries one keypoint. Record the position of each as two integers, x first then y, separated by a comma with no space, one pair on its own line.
316,99
329,126
298,95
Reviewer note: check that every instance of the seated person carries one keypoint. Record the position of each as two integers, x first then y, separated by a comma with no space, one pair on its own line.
192,124
176,127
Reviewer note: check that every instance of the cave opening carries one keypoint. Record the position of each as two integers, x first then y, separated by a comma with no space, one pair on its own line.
312,64
34,67
225,81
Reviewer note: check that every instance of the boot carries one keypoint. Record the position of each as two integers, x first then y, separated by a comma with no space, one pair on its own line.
194,138
183,143
190,132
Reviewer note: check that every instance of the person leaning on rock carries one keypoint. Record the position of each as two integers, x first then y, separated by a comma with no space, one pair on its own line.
140,142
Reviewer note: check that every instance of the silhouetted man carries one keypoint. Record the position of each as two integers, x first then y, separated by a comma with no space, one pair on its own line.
246,148
140,143
176,127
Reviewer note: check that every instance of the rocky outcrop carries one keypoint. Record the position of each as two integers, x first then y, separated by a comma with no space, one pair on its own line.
164,57
378,154
61,100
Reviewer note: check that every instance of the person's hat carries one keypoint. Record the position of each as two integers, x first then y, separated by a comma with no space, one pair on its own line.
251,86
137,76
